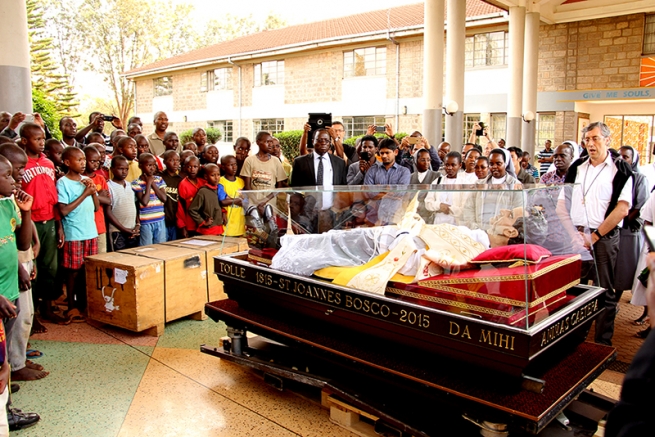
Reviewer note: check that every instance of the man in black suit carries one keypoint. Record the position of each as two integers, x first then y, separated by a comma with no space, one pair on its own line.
323,170
319,168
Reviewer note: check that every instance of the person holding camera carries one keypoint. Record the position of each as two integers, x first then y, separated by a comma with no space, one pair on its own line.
482,131
409,148
368,147
97,125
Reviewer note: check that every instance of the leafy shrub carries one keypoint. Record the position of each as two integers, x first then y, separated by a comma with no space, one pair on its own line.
213,135
289,143
351,141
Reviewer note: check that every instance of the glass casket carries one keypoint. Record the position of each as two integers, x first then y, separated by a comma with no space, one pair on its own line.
488,274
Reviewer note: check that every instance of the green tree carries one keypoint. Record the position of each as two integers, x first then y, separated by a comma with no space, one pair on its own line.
110,37
48,111
230,27
47,75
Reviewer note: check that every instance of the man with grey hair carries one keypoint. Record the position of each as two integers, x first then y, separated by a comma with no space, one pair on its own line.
156,139
601,199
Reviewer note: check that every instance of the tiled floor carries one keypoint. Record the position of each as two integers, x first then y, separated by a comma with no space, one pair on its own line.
106,382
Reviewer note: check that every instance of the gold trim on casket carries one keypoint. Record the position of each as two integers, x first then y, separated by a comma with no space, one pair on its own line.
473,283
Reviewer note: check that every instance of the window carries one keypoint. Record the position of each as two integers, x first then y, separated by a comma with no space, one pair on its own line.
219,79
370,61
269,73
225,126
163,86
356,126
222,79
486,49
545,129
272,125
498,126
203,81
649,35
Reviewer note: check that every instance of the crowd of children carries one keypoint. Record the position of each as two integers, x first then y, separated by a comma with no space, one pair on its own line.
50,193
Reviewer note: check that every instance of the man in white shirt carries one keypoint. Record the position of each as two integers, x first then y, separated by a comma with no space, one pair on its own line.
600,201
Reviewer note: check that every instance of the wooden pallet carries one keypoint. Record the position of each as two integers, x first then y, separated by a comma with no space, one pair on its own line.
347,416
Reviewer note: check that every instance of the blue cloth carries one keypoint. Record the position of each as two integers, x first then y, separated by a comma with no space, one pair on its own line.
171,233
153,233
396,175
222,195
76,223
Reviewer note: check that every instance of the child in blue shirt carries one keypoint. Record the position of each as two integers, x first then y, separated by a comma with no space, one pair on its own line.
78,202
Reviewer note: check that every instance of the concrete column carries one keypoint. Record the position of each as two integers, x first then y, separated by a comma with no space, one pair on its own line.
455,41
531,66
16,89
514,97
433,51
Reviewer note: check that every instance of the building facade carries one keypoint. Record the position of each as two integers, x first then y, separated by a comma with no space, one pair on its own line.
600,69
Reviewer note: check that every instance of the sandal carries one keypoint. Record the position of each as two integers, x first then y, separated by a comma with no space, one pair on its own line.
641,321
75,316
33,353
643,334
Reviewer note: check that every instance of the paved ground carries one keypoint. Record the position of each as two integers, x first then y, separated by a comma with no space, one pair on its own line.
107,382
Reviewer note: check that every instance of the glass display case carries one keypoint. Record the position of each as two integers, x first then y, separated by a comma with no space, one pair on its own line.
472,271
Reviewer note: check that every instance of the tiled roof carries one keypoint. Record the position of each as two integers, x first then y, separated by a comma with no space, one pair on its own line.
353,25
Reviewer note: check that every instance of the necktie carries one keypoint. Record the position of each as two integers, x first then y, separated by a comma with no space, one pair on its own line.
319,174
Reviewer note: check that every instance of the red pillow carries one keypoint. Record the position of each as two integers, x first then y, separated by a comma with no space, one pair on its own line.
514,252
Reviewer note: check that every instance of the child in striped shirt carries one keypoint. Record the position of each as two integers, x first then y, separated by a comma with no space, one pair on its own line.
150,191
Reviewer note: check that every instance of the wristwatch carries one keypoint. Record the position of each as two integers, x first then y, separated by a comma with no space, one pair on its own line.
598,234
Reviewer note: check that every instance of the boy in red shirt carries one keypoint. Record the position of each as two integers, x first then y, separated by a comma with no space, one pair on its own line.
186,191
39,182
93,160
206,208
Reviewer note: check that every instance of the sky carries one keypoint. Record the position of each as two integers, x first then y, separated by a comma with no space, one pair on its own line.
293,11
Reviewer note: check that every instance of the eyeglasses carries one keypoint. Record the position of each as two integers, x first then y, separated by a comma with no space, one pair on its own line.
593,139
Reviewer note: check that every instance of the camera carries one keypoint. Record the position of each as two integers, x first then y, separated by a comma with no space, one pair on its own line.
480,132
413,140
317,121
108,117
364,156
379,129
29,118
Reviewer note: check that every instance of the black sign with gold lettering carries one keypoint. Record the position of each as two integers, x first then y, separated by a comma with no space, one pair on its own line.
454,329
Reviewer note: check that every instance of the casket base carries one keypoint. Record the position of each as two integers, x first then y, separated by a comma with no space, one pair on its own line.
415,393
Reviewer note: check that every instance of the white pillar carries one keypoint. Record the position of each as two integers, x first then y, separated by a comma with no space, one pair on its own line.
514,97
531,66
455,41
16,88
433,50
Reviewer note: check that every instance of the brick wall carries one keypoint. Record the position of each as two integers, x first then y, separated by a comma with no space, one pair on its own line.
186,92
591,54
144,95
596,54
313,78
411,69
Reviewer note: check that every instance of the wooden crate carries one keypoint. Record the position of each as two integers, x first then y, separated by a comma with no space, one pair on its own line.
242,242
211,248
126,291
185,279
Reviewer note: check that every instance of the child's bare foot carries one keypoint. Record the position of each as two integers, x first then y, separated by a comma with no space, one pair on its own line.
37,327
33,365
27,374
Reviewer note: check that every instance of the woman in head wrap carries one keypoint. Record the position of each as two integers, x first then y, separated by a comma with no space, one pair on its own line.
631,241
